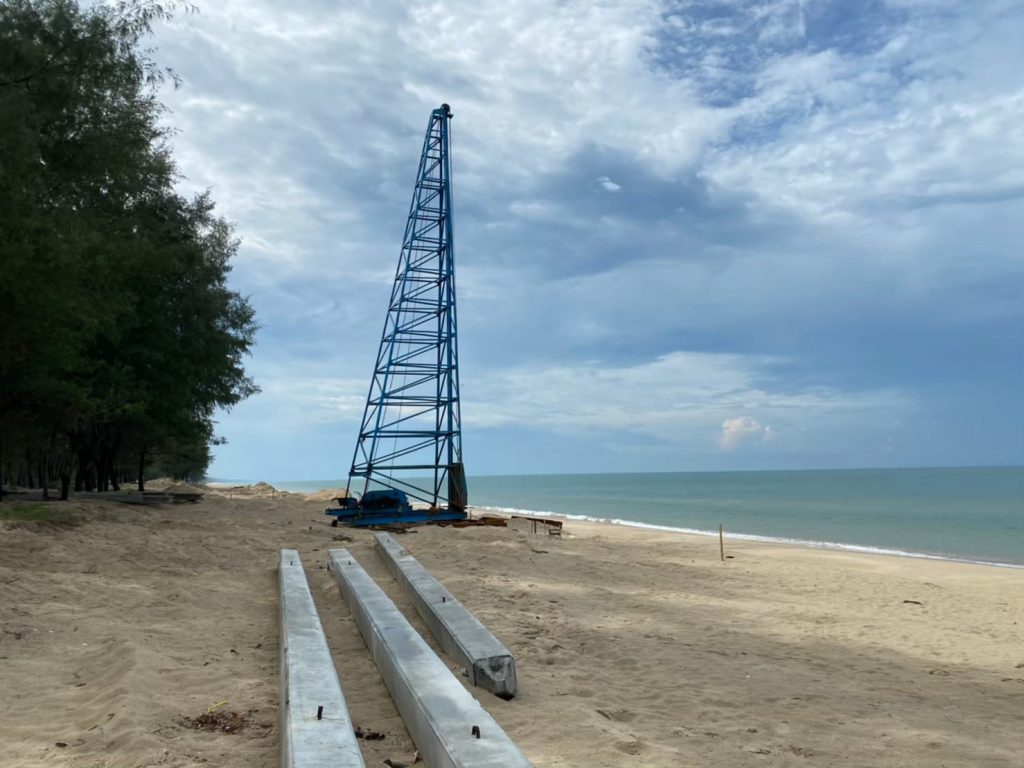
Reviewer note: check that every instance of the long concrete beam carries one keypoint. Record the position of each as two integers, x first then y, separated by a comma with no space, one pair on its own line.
449,727
459,632
316,730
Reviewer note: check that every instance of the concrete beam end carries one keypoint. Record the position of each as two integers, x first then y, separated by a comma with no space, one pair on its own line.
488,662
497,675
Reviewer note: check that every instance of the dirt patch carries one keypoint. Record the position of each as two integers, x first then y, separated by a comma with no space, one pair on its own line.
220,721
368,735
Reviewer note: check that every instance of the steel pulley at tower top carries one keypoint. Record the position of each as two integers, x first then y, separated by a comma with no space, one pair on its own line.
410,438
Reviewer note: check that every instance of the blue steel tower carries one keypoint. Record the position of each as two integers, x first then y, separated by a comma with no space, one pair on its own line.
411,434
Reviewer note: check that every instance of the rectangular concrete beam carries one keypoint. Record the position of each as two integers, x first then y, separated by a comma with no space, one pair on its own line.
449,727
488,662
316,731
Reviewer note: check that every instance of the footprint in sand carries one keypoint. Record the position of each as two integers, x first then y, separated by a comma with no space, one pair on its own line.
630,747
617,715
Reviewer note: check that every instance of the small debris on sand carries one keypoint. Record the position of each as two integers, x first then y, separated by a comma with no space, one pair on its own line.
223,721
367,735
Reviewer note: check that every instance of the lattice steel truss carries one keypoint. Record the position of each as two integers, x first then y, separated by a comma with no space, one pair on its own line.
411,433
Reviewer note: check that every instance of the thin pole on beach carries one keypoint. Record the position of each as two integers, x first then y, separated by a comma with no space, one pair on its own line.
721,543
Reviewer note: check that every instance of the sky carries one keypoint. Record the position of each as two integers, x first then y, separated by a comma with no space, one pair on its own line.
689,235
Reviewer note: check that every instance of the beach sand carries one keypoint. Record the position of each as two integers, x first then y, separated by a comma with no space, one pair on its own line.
633,647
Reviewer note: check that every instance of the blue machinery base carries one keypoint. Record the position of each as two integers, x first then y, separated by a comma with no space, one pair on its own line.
359,518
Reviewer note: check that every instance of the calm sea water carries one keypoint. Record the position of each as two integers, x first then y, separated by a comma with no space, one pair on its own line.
962,513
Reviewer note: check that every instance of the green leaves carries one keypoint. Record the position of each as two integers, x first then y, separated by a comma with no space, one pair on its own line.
117,329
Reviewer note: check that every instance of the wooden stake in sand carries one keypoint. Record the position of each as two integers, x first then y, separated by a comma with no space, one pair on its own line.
721,543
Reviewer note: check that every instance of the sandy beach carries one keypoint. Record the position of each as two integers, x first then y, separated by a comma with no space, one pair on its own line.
633,647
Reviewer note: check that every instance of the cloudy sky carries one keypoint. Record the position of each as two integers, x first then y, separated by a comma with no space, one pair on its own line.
700,234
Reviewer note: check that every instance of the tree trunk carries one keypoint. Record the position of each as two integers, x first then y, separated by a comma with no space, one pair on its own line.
142,469
44,476
86,470
102,471
65,484
28,469
110,463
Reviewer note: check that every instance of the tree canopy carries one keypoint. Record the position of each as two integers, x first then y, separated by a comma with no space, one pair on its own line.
119,336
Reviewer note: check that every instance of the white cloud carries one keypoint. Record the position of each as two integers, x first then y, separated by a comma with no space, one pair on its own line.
926,119
530,83
683,398
539,210
815,184
279,110
743,429
782,20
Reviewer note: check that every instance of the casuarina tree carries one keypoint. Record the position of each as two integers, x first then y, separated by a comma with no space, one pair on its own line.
119,335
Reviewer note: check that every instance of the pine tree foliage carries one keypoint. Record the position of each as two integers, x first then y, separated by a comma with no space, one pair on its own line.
119,336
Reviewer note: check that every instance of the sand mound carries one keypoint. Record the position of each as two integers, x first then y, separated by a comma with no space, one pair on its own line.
327,494
260,490
183,488
263,489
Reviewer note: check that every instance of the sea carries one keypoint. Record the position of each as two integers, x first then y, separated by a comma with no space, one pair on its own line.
973,514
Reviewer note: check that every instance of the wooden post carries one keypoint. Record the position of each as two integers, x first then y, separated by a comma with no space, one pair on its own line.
721,543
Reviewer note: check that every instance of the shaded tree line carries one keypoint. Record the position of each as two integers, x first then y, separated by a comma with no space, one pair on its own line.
119,337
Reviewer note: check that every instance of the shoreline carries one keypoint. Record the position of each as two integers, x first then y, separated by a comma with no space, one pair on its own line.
325,494
633,645
807,544
963,514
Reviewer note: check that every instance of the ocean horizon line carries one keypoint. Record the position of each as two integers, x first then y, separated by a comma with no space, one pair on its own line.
321,482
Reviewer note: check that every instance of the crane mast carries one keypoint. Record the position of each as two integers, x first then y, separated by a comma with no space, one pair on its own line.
410,437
